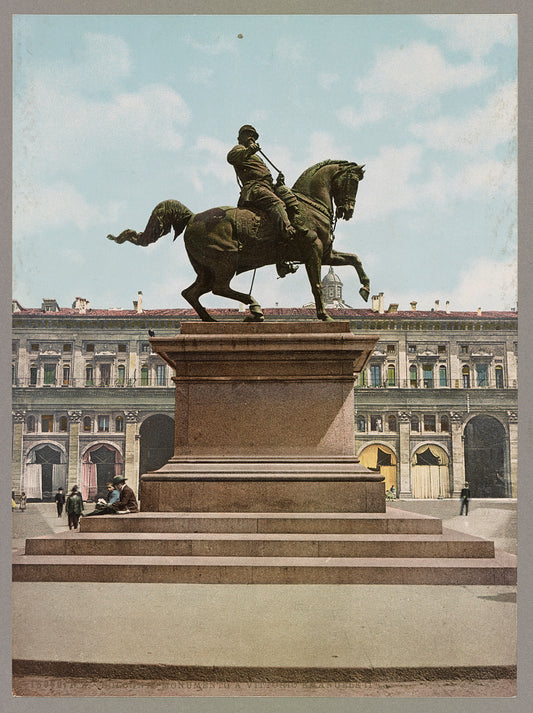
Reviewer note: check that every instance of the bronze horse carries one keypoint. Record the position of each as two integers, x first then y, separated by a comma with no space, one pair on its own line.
223,242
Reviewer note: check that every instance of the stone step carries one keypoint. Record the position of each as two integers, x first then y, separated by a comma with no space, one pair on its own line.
500,570
392,522
450,544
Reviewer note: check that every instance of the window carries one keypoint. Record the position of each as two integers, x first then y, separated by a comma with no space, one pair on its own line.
429,422
89,347
30,424
391,348
361,424
466,377
67,347
144,375
413,377
482,371
88,375
362,378
145,347
411,348
375,374
66,374
444,423
415,424
376,423
442,349
103,423
33,375
63,423
121,375
87,424
427,370
49,374
13,374
122,348
499,377
391,375
119,424
391,420
464,348
47,424
105,374
34,347
161,375
443,381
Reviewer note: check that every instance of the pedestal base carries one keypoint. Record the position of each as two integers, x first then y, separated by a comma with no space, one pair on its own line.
297,484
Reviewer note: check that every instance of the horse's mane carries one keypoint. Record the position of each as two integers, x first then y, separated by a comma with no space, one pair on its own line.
310,172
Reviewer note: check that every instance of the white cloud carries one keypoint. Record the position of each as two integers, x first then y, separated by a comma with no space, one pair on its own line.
291,51
201,75
57,205
388,184
214,163
371,109
328,79
56,129
476,34
482,130
213,47
417,72
489,284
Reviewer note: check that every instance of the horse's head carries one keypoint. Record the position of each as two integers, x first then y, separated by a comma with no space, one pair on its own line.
344,189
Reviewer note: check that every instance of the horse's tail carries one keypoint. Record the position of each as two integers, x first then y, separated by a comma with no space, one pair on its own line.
165,216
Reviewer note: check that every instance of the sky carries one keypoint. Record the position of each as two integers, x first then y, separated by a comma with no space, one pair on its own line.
115,113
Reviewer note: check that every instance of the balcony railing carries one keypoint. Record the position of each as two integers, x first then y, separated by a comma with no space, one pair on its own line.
437,384
139,382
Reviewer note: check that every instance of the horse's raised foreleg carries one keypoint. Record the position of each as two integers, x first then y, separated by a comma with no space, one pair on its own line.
200,286
336,259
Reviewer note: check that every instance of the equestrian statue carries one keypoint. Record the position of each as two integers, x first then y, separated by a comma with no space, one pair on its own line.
271,225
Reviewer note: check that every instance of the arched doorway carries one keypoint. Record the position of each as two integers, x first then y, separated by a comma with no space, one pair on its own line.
380,458
157,442
485,448
45,471
430,474
100,464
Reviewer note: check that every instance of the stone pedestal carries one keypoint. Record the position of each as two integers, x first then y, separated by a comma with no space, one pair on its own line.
264,421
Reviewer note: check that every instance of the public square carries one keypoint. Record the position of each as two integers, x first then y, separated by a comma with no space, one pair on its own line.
272,640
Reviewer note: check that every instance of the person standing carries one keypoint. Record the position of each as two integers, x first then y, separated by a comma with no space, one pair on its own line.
74,507
60,501
465,498
22,502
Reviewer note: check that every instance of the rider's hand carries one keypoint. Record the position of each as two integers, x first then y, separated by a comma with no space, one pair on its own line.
280,181
253,146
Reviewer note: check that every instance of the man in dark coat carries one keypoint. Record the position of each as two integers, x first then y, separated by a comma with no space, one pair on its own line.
60,501
465,497
126,503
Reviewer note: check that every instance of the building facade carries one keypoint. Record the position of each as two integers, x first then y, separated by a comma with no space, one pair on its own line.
436,404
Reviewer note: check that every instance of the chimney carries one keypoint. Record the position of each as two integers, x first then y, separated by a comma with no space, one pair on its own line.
381,309
393,307
479,311
447,306
81,305
413,306
437,303
375,303
138,303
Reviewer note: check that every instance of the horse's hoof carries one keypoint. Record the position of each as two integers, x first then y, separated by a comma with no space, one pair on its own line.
254,318
325,317
365,293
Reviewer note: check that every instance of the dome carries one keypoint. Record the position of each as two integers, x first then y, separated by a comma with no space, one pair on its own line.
331,279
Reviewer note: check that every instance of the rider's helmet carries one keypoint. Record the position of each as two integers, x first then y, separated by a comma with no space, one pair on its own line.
248,129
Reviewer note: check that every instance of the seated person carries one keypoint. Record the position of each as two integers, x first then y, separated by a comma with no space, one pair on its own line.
122,503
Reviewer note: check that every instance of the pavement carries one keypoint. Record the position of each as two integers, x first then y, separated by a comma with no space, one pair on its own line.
270,640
